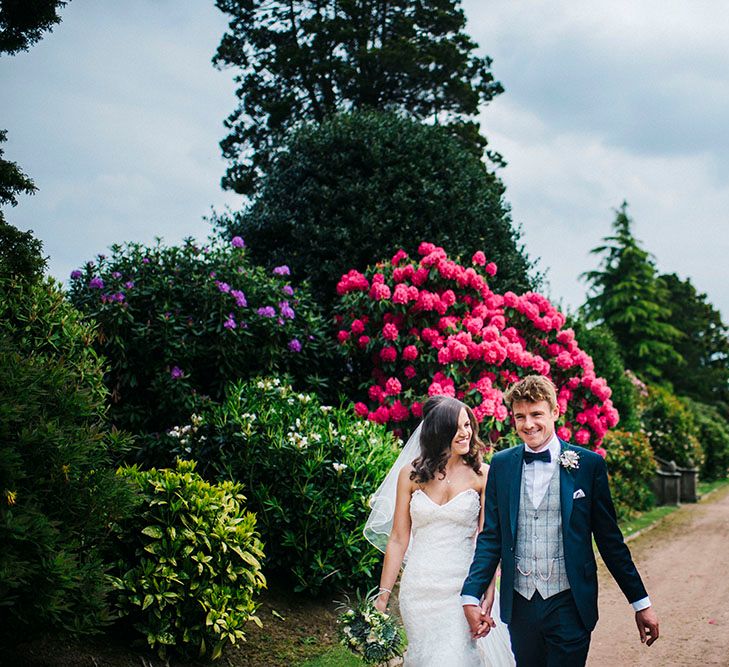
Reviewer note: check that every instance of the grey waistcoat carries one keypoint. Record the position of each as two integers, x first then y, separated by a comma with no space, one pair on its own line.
539,547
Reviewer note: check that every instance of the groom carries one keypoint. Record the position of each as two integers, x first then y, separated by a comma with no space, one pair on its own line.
545,500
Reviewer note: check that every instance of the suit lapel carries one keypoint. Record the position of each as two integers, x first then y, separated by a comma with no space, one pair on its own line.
566,489
514,477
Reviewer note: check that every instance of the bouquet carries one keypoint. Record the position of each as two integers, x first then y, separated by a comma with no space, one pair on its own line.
371,634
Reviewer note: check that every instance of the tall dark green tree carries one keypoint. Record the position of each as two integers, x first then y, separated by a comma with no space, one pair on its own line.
20,252
627,295
23,22
348,192
303,60
704,345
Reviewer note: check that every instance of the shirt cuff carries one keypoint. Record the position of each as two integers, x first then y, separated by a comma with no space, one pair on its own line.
467,600
639,605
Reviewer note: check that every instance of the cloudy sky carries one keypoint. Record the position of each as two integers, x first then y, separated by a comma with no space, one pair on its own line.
116,115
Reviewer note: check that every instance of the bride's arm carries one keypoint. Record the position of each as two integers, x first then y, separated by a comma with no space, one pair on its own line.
399,538
488,598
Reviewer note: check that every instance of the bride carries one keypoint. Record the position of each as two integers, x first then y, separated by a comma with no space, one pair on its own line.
431,506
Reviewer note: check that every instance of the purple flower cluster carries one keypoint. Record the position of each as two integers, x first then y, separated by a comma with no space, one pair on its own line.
282,270
288,290
76,274
240,298
116,275
176,373
286,310
238,242
230,322
295,345
223,287
266,311
96,283
117,297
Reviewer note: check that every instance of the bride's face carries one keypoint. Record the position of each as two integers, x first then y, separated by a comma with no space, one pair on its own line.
461,443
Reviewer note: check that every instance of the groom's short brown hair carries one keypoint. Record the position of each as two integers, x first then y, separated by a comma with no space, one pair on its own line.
532,388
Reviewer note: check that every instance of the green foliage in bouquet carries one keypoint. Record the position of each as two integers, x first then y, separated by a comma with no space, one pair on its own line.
192,562
713,434
177,323
309,470
631,466
371,634
60,498
671,428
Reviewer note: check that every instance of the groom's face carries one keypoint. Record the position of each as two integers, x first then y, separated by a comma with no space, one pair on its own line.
534,422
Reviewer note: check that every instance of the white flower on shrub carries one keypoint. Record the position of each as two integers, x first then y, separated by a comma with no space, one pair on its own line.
326,408
339,467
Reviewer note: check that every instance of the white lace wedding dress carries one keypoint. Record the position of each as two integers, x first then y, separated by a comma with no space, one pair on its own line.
442,546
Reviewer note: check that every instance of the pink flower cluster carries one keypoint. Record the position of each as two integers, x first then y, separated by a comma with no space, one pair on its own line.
432,326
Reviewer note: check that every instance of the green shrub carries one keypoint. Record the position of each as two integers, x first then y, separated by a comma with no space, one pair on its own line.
631,465
178,323
713,434
671,428
309,471
60,496
193,562
358,185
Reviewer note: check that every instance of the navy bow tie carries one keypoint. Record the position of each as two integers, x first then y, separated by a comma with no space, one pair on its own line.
530,457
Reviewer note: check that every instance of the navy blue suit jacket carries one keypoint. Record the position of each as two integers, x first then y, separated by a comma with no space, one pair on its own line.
582,518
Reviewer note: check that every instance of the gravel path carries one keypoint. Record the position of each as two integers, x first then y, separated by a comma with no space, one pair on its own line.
684,562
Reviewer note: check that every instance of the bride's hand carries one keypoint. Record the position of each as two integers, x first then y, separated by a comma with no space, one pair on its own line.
381,602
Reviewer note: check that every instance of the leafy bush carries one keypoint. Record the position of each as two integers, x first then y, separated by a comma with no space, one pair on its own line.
431,326
309,469
600,344
178,323
631,465
60,496
192,565
343,190
671,428
712,431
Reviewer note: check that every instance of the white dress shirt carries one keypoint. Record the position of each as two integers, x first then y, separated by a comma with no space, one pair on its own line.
537,476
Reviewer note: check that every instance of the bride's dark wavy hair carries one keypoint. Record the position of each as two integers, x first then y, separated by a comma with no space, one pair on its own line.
439,427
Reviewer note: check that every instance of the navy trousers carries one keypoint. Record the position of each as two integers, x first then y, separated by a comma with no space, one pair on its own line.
548,633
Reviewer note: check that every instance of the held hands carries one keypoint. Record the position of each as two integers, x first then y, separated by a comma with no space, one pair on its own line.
479,620
647,622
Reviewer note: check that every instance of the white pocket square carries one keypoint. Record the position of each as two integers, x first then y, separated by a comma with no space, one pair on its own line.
578,494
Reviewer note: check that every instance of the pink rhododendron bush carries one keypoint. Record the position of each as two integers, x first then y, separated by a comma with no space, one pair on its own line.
419,327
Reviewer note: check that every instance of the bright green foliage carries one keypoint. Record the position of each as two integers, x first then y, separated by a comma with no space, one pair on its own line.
192,562
671,428
59,495
627,295
305,61
713,434
177,323
600,344
631,465
704,345
361,185
309,469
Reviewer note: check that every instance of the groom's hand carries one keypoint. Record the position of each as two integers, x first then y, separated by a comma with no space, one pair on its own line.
647,622
479,622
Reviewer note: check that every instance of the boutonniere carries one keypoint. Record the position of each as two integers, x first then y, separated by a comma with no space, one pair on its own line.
569,459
